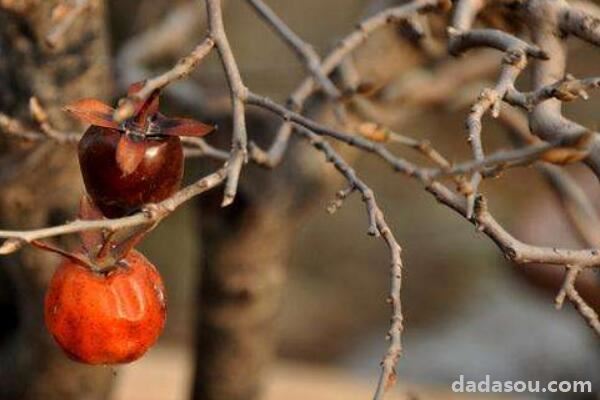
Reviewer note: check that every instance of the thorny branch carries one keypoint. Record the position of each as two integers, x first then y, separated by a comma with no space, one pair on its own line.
549,138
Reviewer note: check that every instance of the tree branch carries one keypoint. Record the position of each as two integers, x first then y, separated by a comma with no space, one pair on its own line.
237,91
180,70
377,227
338,54
305,52
152,214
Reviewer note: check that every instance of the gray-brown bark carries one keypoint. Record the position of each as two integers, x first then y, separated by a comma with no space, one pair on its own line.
239,299
41,186
243,268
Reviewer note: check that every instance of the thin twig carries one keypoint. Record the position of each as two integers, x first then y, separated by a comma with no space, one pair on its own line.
567,89
377,227
237,91
569,291
163,40
490,99
521,156
570,278
303,50
338,54
180,70
193,147
16,129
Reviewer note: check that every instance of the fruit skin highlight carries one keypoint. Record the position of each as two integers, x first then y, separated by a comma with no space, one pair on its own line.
109,317
154,177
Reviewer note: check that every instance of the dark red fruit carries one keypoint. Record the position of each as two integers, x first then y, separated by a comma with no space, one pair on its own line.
125,166
119,190
109,317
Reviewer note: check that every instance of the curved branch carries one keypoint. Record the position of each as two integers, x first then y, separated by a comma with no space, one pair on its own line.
459,42
546,119
465,13
581,24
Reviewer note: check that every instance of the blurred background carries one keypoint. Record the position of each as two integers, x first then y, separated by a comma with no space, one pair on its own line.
467,310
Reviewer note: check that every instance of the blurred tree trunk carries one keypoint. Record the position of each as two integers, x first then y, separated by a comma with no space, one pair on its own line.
40,186
244,258
243,273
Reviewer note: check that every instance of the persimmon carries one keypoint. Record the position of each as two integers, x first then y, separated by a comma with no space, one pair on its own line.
109,317
139,161
121,188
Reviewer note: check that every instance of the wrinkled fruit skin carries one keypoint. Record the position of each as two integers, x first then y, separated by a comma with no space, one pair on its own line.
110,318
116,194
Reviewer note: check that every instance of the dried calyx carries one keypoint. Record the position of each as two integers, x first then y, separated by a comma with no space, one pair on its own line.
101,251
